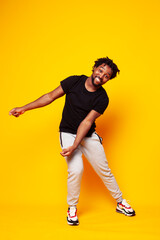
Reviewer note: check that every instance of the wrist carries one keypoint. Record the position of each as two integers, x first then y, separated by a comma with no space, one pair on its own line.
74,146
24,108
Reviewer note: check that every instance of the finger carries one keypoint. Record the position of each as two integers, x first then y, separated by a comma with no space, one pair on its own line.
16,114
62,154
65,153
11,111
65,150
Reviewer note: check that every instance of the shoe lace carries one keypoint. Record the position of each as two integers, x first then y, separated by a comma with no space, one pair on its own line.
72,211
125,202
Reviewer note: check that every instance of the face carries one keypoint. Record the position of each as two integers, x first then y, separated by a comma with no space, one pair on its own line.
101,75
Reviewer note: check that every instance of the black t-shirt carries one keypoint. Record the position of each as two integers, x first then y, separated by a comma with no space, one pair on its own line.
79,102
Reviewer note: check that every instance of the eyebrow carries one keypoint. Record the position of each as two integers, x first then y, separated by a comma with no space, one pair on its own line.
104,69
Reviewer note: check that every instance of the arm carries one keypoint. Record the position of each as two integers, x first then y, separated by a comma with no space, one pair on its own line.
40,102
83,129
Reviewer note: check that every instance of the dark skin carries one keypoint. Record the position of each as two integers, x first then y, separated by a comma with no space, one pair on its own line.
100,76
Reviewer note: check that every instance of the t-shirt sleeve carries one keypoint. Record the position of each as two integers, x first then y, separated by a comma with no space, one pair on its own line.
68,83
101,104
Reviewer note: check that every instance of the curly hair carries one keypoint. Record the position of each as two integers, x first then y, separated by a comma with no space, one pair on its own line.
110,63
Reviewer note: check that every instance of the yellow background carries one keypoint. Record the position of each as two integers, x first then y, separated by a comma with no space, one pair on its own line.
41,43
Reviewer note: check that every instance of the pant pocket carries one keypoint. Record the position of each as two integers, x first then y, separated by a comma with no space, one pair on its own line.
100,138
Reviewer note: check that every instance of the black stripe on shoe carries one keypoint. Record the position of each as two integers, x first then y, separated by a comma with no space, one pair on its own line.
74,223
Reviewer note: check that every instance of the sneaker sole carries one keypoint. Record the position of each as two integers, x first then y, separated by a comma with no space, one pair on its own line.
72,223
126,214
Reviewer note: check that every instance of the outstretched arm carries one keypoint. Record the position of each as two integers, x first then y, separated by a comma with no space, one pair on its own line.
40,102
81,132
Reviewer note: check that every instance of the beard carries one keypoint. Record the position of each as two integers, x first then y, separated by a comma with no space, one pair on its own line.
95,85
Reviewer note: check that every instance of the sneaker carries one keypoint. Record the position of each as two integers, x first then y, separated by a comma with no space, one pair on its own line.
125,208
72,218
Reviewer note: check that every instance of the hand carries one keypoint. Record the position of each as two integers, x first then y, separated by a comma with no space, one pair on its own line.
68,151
16,112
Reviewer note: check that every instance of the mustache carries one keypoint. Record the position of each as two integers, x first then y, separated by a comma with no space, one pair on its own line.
98,78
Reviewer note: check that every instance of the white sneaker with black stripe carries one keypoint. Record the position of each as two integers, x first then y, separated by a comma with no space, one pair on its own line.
125,208
72,218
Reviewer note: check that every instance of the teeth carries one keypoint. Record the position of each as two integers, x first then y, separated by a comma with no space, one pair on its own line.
97,79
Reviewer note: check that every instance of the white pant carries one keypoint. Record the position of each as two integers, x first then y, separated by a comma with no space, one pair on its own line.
93,150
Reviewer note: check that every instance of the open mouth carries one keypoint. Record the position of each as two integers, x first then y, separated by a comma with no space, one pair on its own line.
97,80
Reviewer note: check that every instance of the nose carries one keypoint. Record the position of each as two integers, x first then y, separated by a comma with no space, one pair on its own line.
101,75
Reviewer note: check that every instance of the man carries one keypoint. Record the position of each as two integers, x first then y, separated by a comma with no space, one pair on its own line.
86,100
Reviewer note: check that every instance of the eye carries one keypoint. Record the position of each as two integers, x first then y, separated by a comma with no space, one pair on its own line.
100,70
